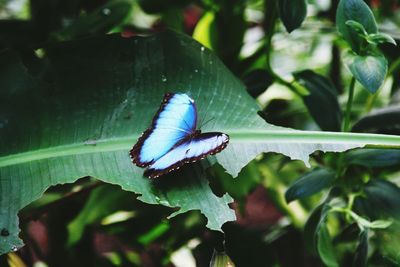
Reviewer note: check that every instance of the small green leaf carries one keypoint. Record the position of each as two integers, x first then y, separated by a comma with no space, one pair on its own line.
358,27
325,247
378,38
366,224
154,233
292,13
205,31
310,183
360,257
373,157
321,101
380,224
356,10
369,70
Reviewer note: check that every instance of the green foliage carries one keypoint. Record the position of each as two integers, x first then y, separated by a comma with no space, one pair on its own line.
106,132
80,81
358,12
356,22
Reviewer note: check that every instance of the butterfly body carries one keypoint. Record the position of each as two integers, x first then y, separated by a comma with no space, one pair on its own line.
173,139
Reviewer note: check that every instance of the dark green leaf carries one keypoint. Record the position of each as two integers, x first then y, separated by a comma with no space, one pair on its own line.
385,120
310,183
230,28
311,227
257,81
369,70
159,6
361,255
383,197
321,101
374,158
356,10
325,247
292,13
313,224
173,19
101,20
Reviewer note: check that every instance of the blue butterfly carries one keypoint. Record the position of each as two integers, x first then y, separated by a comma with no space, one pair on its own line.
173,140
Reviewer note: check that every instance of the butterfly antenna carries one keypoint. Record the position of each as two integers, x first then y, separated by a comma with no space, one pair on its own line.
201,124
209,120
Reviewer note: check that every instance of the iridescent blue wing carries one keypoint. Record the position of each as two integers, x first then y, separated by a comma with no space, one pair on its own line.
190,150
175,120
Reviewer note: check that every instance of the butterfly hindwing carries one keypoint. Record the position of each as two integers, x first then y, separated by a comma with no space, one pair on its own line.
190,150
175,120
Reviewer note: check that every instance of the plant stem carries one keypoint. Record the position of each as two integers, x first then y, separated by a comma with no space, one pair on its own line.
349,105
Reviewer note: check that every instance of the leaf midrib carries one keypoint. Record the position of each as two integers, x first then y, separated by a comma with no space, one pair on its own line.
251,136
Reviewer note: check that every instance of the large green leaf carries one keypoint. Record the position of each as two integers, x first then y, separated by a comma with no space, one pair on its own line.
96,96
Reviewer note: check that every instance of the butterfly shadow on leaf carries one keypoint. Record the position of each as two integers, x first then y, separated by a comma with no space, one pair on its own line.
189,178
